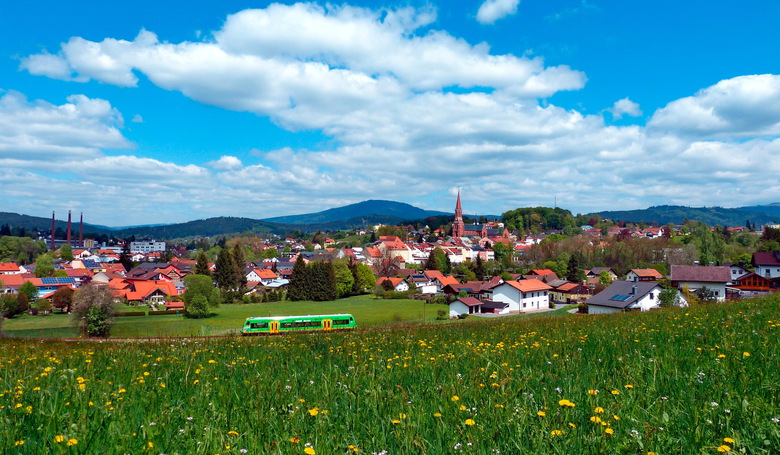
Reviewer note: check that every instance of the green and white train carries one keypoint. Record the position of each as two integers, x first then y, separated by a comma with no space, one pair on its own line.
284,324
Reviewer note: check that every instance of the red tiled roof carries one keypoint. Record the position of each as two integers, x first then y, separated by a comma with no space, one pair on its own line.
529,285
647,273
8,267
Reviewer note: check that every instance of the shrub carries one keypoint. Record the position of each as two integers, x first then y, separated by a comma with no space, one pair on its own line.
93,310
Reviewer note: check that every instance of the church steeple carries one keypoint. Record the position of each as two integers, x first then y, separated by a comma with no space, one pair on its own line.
458,228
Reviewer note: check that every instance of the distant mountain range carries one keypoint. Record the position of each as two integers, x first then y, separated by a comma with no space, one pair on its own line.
675,214
373,212
399,210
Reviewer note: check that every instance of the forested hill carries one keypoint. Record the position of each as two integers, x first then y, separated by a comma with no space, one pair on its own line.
675,214
398,210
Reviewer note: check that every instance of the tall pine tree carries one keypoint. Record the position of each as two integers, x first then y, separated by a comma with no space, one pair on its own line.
299,281
224,271
202,264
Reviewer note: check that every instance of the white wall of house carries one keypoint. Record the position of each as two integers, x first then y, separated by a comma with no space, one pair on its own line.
768,271
403,286
718,288
737,272
521,301
596,309
507,294
457,308
649,301
428,288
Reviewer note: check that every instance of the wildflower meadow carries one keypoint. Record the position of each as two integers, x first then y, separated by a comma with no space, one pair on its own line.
700,380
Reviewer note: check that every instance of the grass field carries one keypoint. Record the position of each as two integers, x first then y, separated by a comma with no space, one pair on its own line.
230,318
703,380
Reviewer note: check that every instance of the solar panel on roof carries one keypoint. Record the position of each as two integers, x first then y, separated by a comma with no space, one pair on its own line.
620,297
48,280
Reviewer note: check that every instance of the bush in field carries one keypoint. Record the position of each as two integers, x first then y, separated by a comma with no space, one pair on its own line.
63,299
93,310
42,306
9,305
201,295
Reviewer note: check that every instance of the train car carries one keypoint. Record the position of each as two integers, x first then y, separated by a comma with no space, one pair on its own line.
283,324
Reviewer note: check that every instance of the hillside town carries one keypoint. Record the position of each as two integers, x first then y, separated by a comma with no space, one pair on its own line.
477,269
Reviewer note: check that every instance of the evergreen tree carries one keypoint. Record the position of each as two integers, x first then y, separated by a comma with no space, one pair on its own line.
202,264
224,271
479,269
299,281
125,256
430,263
239,262
574,272
323,281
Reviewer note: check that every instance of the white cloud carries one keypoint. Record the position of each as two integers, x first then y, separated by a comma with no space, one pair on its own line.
492,10
625,107
225,163
80,128
380,88
740,107
137,119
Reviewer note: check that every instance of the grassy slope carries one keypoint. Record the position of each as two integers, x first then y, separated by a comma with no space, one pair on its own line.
229,319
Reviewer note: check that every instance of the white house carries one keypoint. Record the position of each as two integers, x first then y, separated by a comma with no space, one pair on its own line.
696,277
399,284
767,264
523,295
624,296
472,305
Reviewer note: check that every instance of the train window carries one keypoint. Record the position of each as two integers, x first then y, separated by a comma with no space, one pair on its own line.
341,322
259,325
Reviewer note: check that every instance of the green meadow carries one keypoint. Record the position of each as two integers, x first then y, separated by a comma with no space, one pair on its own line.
229,319
701,380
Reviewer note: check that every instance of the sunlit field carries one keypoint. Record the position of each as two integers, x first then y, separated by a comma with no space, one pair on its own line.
229,318
691,381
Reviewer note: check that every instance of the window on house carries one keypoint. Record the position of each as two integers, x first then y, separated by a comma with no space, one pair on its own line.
652,296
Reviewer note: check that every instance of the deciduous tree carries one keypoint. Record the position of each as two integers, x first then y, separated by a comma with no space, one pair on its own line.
93,310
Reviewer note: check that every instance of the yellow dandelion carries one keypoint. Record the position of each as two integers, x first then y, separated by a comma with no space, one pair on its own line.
463,408
595,419
396,422
616,417
455,398
82,386
572,425
541,413
59,439
162,385
615,392
598,410
470,422
746,354
232,433
724,449
728,440
437,414
314,411
557,433
309,451
593,392
402,416
352,448
295,439
72,442
19,443
629,386
609,431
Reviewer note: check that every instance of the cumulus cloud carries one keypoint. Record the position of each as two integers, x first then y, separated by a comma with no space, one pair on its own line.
379,84
740,107
492,10
80,128
625,107
225,163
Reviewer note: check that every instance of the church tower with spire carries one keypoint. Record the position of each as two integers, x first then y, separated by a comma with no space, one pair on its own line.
458,228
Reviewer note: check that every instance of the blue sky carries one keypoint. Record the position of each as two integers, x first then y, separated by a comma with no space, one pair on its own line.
155,112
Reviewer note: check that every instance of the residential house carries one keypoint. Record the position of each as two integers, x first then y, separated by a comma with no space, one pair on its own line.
767,264
399,284
523,295
695,277
568,293
753,285
626,296
471,305
737,271
637,275
595,272
263,276
9,268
